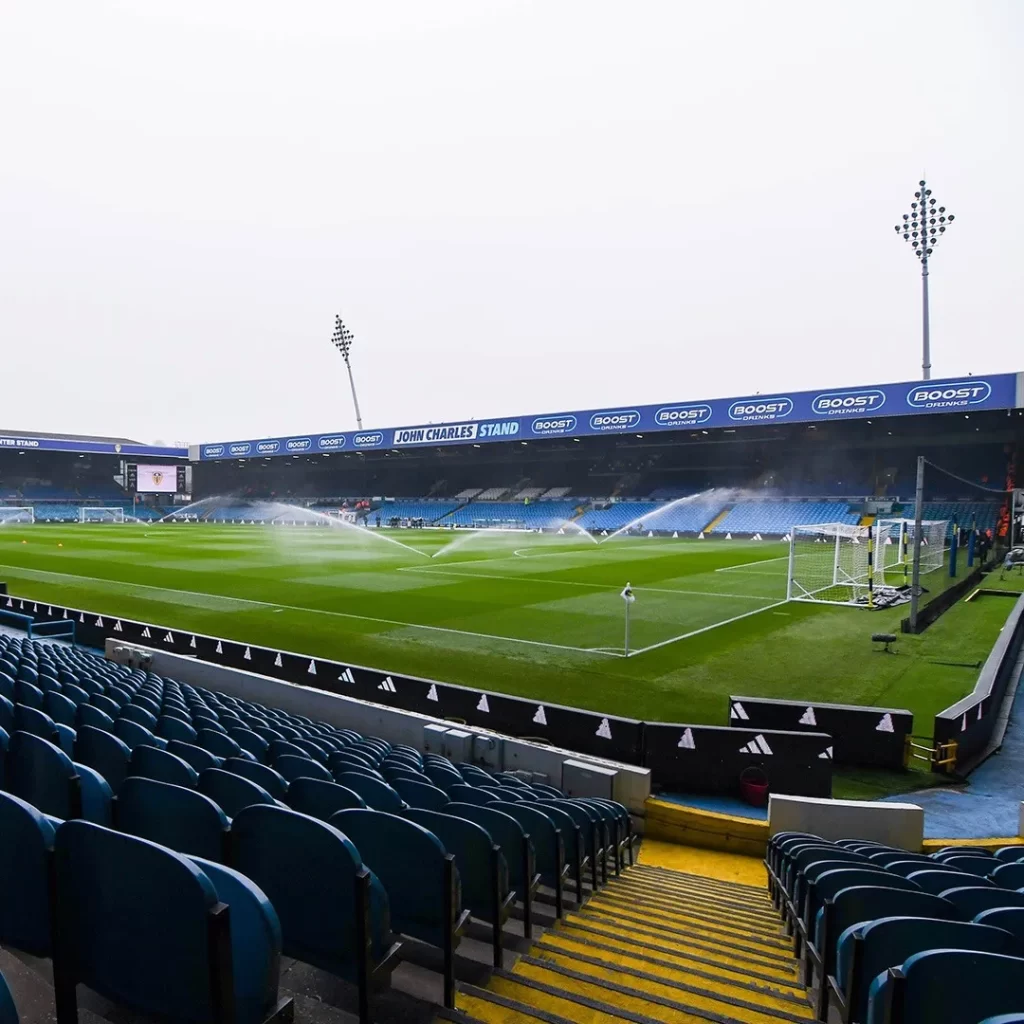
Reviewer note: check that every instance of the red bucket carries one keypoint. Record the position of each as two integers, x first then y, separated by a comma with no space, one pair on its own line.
754,787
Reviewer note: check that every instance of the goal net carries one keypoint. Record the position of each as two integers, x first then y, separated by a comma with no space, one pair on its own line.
92,514
835,563
17,514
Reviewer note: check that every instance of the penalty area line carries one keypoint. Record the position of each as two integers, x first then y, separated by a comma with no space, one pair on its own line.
705,629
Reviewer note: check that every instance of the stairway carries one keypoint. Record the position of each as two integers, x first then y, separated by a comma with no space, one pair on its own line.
714,522
653,945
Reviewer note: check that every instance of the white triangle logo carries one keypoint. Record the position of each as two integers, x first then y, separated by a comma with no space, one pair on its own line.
432,693
311,671
756,536
99,621
758,745
885,724
220,648
728,536
807,718
81,617
650,533
786,539
738,711
169,639
482,705
248,654
277,660
540,718
979,713
146,633
604,730
826,754
963,722
686,740
388,686
49,610
35,607
347,676
700,536
10,602
561,532
117,626
192,642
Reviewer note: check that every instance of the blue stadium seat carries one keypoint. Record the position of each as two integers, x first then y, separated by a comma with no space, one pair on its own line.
866,950
144,927
103,703
263,775
974,865
483,871
420,794
1009,918
251,741
321,799
28,838
1009,876
8,1011
44,775
1009,854
938,882
970,900
163,766
170,727
548,847
104,752
425,903
199,757
218,743
60,708
955,986
28,694
89,714
378,795
138,714
6,715
293,767
136,735
29,719
480,795
588,823
173,816
517,847
231,792
324,896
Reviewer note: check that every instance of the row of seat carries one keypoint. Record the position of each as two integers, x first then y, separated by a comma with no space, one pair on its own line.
866,918
493,837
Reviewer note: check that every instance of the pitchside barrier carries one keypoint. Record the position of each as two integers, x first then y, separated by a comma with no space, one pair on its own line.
711,758
687,758
970,727
862,736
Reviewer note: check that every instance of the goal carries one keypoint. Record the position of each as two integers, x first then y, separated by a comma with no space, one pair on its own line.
94,514
17,514
836,563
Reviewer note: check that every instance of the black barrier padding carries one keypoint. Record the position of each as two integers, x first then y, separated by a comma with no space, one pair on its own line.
710,759
941,603
972,720
862,736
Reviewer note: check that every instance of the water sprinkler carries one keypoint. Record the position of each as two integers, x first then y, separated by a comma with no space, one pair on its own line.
923,227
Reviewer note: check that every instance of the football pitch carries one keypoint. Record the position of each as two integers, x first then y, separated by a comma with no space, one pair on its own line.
536,615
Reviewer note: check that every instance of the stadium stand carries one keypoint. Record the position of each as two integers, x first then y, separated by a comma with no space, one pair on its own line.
535,515
863,914
428,511
690,517
776,517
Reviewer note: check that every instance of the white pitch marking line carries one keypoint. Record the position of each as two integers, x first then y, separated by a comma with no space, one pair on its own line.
573,583
300,608
742,566
705,629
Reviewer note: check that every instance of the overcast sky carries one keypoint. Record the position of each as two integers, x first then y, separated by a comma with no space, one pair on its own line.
516,206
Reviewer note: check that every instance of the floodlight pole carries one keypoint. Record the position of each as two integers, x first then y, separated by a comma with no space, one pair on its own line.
923,227
342,340
915,579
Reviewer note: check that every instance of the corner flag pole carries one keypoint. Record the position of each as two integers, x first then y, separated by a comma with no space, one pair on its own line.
629,597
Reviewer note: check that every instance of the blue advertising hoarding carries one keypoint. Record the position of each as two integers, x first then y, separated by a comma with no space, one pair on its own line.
967,394
28,443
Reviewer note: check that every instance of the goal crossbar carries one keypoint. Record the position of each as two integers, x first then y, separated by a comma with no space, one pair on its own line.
101,514
17,514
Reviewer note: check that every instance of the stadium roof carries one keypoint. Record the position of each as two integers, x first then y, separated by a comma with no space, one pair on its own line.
67,437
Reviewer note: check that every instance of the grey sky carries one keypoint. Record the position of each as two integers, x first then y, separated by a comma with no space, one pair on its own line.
516,206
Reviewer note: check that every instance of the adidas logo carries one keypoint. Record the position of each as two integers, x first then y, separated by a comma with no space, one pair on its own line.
220,648
885,724
388,685
277,660
311,671
345,677
807,718
758,745
539,717
826,754
248,654
482,704
117,626
604,730
169,639
146,633
192,642
10,602
432,693
99,622
739,711
686,740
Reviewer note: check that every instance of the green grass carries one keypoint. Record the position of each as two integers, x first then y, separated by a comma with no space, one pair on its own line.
538,616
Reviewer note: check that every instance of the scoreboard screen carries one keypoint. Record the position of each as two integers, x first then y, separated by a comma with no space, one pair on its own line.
156,479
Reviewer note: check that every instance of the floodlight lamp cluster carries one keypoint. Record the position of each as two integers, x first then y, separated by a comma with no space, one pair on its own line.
342,338
925,224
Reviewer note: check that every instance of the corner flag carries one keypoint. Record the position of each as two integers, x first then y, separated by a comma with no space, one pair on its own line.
627,594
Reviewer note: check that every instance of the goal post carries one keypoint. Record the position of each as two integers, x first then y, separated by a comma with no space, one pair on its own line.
97,514
836,563
17,514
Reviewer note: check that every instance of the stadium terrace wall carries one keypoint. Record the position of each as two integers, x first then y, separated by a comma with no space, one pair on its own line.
971,394
972,721
862,736
682,758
